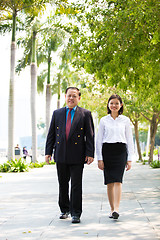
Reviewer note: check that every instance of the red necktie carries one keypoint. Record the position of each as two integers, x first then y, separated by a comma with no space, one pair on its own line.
68,123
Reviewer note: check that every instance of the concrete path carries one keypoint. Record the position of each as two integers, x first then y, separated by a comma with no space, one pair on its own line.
29,209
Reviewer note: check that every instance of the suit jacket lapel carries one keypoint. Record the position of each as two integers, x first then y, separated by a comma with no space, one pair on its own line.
76,119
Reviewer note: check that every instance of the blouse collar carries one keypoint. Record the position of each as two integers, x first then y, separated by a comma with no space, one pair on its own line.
119,116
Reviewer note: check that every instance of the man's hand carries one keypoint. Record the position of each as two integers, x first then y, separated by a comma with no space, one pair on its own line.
47,158
128,165
101,164
89,160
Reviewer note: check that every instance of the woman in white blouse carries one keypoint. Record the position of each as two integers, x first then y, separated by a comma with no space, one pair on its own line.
115,150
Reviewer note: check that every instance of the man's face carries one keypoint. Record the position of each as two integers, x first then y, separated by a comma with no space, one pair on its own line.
72,98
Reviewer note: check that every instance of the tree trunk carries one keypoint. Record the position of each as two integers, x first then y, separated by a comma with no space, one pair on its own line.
11,100
48,106
48,93
137,139
11,104
33,110
59,92
33,98
153,130
148,142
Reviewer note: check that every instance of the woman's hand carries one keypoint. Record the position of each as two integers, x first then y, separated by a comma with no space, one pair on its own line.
100,164
128,165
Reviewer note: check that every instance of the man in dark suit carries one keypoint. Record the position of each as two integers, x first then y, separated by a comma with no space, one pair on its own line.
71,135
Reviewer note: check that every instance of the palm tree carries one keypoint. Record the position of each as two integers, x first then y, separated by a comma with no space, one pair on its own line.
12,7
54,41
33,94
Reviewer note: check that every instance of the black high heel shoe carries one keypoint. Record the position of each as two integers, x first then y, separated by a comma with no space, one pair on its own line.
115,215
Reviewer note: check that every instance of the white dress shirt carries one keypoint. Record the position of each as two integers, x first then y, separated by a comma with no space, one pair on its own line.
113,131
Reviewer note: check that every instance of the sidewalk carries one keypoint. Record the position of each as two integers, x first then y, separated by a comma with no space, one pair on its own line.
29,209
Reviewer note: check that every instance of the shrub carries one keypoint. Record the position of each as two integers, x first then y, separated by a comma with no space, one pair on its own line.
155,152
52,162
145,162
14,166
37,165
155,164
4,167
20,165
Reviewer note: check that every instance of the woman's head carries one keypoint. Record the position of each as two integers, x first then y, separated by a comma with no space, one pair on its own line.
115,103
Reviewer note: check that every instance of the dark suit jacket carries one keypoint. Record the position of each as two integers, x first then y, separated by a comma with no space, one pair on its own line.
80,140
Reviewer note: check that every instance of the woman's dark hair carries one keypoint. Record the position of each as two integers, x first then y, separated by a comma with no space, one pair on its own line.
115,96
73,88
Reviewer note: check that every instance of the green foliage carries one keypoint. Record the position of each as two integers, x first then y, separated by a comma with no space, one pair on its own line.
37,165
20,165
5,167
144,162
144,154
118,43
155,164
52,162
40,124
115,42
14,166
155,152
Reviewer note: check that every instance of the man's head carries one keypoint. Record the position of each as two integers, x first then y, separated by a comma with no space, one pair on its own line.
72,96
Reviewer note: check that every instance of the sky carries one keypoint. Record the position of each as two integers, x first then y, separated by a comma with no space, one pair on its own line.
22,96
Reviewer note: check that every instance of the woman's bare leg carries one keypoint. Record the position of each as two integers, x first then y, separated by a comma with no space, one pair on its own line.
117,195
114,191
110,192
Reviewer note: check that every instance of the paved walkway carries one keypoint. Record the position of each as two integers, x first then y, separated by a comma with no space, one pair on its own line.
29,210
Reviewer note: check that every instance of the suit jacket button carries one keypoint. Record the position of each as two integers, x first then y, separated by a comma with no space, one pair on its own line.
57,127
78,135
81,128
58,142
75,142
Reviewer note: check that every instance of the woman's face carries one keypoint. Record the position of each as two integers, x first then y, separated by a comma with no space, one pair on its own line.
114,105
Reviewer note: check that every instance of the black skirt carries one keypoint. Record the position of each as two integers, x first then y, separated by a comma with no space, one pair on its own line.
115,159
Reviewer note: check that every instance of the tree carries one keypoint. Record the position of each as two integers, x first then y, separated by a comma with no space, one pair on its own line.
118,42
33,93
53,38
8,8
49,38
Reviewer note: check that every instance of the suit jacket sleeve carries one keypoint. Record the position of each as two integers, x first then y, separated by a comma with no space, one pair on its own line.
89,133
50,142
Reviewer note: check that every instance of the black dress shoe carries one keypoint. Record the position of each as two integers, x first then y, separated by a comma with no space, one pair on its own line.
64,215
75,219
115,215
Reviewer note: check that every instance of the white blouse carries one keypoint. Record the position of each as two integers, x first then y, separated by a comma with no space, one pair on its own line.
112,131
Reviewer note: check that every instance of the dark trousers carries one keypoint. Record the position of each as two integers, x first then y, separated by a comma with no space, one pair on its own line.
73,172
